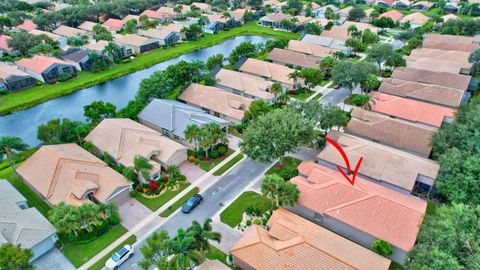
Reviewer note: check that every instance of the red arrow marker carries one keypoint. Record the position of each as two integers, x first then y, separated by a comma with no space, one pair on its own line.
347,162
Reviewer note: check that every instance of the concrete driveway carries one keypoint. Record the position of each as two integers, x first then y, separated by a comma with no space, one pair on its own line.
133,212
53,260
191,171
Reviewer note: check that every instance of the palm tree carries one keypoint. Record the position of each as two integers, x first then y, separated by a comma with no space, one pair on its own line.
156,251
173,171
89,216
192,134
142,167
203,234
294,76
65,218
202,21
184,253
276,88
9,147
111,51
269,187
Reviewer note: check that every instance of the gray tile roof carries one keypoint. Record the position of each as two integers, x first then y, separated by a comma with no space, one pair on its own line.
75,55
175,116
26,227
325,42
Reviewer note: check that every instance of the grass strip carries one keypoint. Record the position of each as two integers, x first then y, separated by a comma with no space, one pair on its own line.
228,165
207,165
36,95
179,203
233,214
101,263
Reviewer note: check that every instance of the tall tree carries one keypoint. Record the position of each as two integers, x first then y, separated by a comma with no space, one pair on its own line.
274,134
15,257
474,58
215,61
356,14
380,53
311,77
192,135
257,108
98,110
203,233
142,167
155,251
350,74
184,253
244,49
62,131
9,147
279,191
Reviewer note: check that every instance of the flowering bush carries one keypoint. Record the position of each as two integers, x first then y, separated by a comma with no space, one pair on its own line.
153,185
191,158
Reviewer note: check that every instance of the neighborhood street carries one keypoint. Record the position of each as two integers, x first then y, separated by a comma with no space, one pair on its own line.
215,197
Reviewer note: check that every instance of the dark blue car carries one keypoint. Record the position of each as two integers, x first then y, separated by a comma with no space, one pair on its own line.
193,202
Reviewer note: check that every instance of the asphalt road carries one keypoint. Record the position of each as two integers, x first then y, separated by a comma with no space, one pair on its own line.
214,198
335,97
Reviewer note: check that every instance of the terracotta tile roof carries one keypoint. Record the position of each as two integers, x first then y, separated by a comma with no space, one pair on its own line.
67,31
298,244
435,64
218,18
156,15
409,109
3,42
166,10
452,56
389,131
274,72
39,63
276,17
294,58
415,18
238,13
27,25
123,139
450,46
303,19
344,11
307,48
155,33
366,206
213,265
87,26
340,32
451,39
113,24
380,162
245,83
201,6
133,40
7,70
216,99
53,36
395,15
67,172
445,79
98,46
445,96
173,27
131,17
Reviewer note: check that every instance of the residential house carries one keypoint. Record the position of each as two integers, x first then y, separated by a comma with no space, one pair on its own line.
62,41
5,48
171,118
445,79
344,13
270,71
310,49
131,17
13,79
70,32
218,22
164,37
70,174
362,213
273,20
292,242
113,25
449,16
159,16
416,19
203,7
27,25
244,84
421,6
216,101
23,225
327,42
137,44
340,32
87,26
100,45
123,139
452,65
238,15
168,13
176,28
383,3
79,58
276,5
431,93
410,109
392,168
451,42
398,133
293,59
320,12
394,14
401,4
451,7
46,69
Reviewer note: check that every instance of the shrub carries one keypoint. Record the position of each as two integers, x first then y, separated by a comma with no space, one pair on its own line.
268,215
240,127
250,210
222,150
288,173
153,185
190,152
200,153
191,158
58,244
248,222
213,154
264,222
257,221
382,247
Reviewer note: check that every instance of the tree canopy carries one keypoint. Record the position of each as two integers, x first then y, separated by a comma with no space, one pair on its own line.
15,258
350,74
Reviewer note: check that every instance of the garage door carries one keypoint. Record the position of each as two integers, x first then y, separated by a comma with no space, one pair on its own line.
120,197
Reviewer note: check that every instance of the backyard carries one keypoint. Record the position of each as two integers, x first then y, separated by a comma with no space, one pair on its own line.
33,96
233,214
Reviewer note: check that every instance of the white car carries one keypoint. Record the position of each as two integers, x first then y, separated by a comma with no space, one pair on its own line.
119,257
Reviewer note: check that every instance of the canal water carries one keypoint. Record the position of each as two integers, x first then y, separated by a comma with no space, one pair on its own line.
119,91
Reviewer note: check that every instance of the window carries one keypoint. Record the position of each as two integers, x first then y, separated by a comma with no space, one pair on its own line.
318,217
66,70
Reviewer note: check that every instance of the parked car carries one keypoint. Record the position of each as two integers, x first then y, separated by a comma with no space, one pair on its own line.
193,202
119,257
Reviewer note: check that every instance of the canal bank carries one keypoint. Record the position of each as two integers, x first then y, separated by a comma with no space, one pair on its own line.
36,95
118,91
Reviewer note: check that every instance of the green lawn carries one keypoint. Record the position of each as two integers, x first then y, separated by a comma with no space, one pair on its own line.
302,95
179,203
101,263
207,165
80,254
33,199
228,165
286,161
216,254
33,96
232,215
155,203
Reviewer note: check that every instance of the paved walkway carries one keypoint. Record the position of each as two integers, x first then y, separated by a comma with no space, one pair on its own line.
151,220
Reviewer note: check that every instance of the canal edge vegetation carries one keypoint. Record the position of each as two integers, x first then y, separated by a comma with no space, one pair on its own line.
36,95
